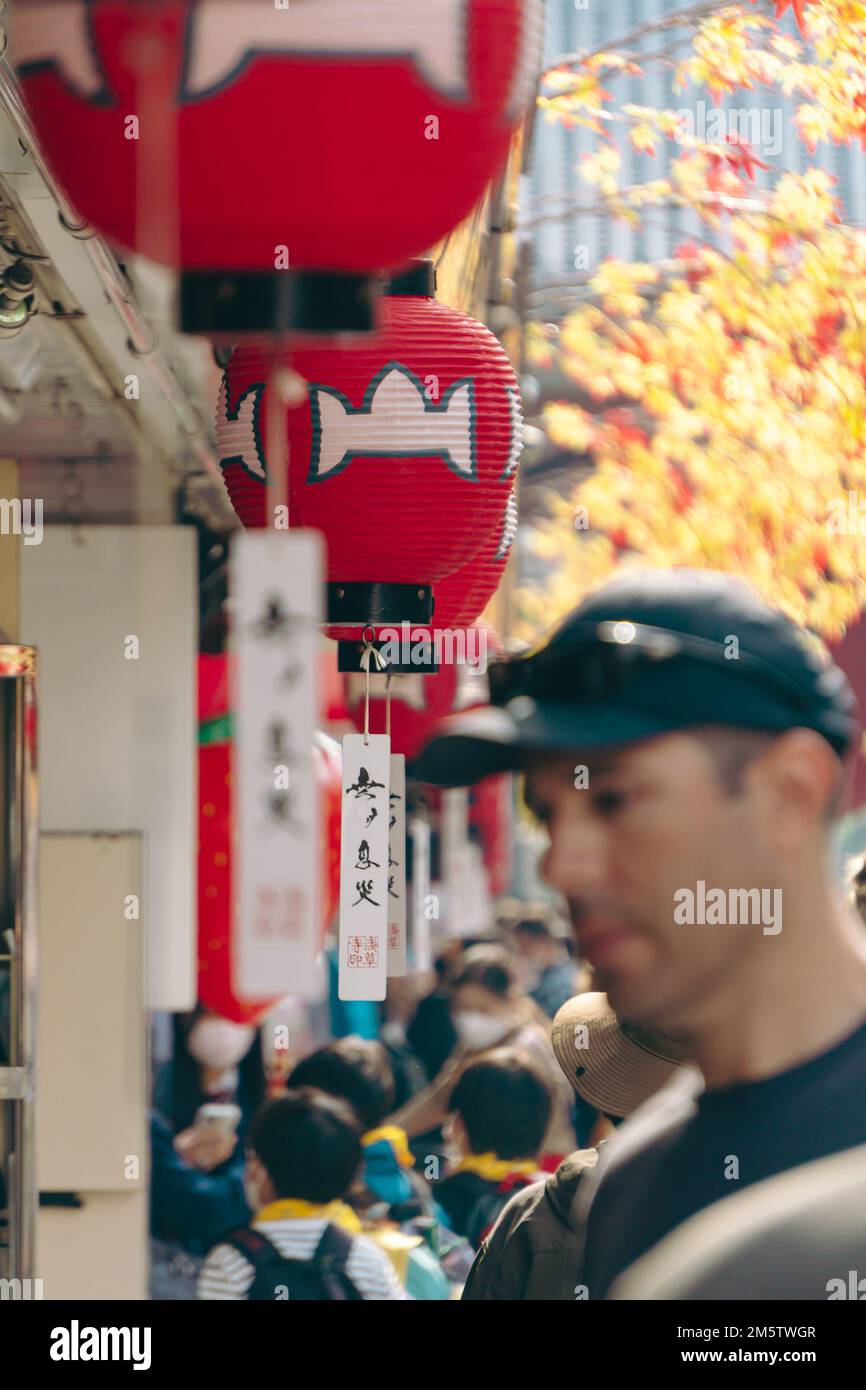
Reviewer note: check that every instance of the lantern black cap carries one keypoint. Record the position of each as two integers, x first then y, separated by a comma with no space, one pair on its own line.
416,277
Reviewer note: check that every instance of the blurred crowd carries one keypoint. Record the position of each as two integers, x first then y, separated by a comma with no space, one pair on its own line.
411,1143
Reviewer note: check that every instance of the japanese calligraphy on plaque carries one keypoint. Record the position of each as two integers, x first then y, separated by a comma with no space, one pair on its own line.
366,876
397,867
276,587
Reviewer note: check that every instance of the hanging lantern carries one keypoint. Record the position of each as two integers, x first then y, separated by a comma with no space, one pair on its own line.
215,983
403,453
462,597
350,135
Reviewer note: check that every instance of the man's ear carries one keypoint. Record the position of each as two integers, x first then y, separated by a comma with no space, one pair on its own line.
796,780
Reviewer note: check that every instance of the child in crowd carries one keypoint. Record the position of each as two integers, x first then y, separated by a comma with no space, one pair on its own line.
393,1198
358,1071
305,1242
500,1110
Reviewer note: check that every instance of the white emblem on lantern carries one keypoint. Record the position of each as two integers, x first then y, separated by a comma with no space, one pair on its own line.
237,431
225,38
56,33
509,528
396,419
515,420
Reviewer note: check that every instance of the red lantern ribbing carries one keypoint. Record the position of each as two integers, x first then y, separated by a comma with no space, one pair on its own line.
403,454
353,133
462,597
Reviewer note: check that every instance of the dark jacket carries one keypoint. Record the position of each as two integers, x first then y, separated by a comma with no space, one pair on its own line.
533,1252
472,1204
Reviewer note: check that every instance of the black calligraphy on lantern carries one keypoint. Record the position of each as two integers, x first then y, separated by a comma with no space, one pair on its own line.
365,786
394,796
391,892
364,861
277,743
364,889
275,621
281,810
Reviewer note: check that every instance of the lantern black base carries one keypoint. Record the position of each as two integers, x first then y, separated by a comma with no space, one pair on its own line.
379,605
229,303
418,659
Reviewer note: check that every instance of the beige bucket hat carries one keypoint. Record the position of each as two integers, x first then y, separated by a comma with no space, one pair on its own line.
613,1066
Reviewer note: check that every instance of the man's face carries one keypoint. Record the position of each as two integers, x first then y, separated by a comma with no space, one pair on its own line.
654,819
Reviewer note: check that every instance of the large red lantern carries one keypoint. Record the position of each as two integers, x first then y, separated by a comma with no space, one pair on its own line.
462,597
215,984
403,454
352,133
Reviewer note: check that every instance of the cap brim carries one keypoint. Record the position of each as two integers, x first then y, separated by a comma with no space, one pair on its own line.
496,739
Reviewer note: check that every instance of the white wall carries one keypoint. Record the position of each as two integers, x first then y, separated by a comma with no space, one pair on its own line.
116,736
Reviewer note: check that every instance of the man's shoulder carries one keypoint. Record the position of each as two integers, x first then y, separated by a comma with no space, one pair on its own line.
653,1124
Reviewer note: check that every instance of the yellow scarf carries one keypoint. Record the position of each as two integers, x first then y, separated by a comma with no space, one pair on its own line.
493,1169
396,1137
295,1209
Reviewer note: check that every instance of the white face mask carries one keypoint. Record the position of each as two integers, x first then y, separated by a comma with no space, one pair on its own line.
479,1031
219,1043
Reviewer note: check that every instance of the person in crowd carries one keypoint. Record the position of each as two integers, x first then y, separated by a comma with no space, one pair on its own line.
541,944
196,1173
358,1071
398,1011
683,744
489,1010
388,1194
533,1251
196,1195
213,1059
431,1033
499,1115
305,1241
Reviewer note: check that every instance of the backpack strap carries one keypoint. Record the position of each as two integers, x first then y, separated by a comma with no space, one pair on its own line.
255,1247
329,1262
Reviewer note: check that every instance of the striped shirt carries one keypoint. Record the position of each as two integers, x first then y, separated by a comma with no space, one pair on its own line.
226,1275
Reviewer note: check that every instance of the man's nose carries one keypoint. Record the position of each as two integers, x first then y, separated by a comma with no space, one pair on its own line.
576,859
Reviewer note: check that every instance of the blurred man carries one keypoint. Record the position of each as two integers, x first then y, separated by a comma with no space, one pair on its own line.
550,976
683,744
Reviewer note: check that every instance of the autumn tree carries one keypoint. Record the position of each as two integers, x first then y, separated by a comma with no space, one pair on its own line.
724,397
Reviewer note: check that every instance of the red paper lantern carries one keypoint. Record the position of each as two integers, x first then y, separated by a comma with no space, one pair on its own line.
403,454
463,596
353,134
215,984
